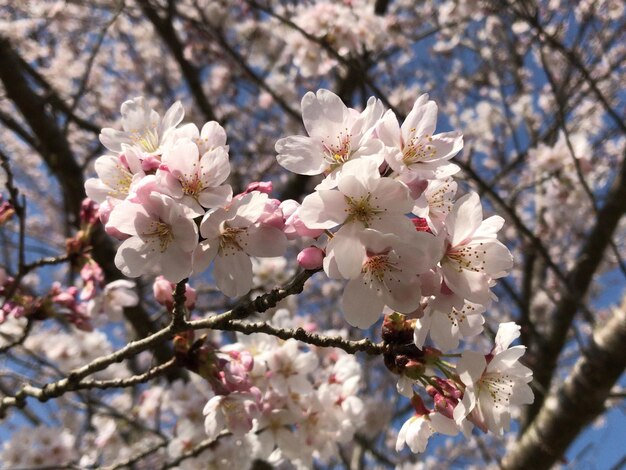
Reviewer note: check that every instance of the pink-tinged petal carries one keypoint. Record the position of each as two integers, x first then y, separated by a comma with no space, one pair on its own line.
210,225
323,209
323,113
169,184
465,217
301,155
421,121
185,233
392,195
216,197
401,440
443,425
330,266
214,167
176,263
348,251
370,116
111,171
447,145
507,333
129,218
443,332
507,359
498,260
397,224
182,159
204,254
370,149
471,367
113,139
488,228
213,134
132,158
358,177
172,117
470,285
403,298
465,406
249,207
97,190
233,273
187,131
361,305
422,327
264,241
192,207
351,185
134,257
135,114
522,395
388,130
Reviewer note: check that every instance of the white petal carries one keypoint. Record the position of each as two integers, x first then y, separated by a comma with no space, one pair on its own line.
233,273
301,155
361,305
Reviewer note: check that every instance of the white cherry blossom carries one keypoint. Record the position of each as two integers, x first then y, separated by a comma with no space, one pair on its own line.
231,237
196,179
446,328
416,431
473,255
387,275
161,234
143,127
337,134
116,174
412,146
494,383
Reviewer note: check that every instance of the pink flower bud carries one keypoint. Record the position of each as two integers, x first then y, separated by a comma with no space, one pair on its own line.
163,292
88,212
311,258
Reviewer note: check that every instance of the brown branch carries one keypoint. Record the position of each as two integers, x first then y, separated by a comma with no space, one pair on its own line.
73,381
364,345
166,31
128,381
129,463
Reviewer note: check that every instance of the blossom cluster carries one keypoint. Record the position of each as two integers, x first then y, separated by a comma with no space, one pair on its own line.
383,219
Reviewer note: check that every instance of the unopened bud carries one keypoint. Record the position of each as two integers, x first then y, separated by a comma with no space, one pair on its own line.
311,258
88,212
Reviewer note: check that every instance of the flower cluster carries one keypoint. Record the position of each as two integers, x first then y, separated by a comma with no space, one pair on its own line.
383,219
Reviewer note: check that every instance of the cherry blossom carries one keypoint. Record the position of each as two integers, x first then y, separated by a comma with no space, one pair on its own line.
193,178
337,134
161,235
388,275
494,383
231,237
412,146
143,127
473,256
